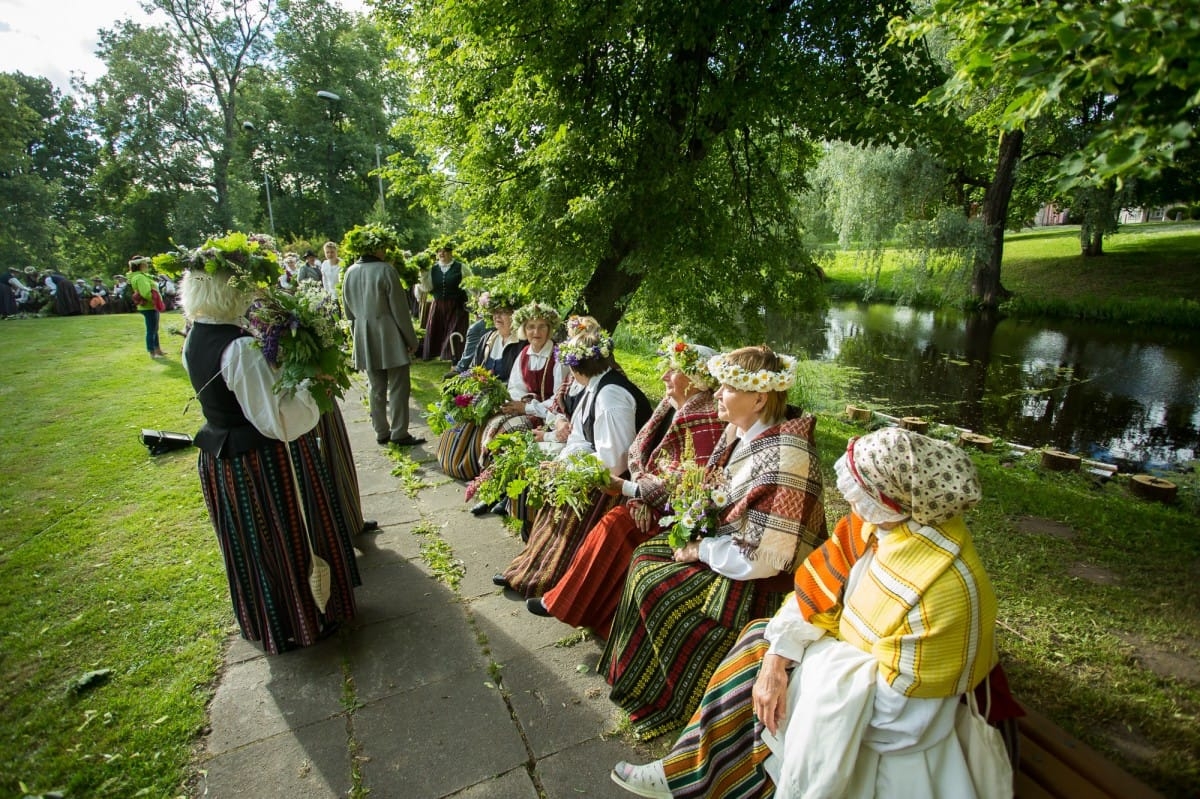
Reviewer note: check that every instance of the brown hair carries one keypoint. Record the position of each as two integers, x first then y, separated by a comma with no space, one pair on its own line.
763,357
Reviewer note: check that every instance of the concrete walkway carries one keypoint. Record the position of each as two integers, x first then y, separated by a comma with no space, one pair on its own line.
432,692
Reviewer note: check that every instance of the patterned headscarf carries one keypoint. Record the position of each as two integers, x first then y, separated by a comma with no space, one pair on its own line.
931,480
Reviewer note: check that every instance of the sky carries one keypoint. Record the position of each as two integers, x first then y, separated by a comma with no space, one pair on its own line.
57,38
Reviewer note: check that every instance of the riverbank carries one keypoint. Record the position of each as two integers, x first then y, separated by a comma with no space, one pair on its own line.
1150,274
114,573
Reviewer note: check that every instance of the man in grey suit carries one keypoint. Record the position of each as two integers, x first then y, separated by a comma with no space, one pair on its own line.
384,340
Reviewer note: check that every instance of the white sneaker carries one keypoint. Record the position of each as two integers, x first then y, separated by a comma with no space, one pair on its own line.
649,780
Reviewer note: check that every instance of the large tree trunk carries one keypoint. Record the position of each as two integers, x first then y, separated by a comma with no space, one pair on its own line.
985,282
610,287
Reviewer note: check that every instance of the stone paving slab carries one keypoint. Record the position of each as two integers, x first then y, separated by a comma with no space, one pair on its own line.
430,691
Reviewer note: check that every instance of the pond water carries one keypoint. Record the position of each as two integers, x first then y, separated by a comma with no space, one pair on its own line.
1110,393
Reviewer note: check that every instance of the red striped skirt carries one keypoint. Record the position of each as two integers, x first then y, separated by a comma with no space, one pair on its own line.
553,541
588,593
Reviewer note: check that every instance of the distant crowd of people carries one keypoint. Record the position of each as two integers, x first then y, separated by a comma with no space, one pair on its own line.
34,292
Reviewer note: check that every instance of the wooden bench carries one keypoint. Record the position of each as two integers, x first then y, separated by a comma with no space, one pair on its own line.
1056,765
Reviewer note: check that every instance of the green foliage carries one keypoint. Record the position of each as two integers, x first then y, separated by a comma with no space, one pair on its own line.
470,398
607,145
1048,55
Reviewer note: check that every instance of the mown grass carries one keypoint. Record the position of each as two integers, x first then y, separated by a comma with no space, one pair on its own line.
110,562
1150,274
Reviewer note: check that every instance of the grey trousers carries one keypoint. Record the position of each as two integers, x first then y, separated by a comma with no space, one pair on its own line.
389,401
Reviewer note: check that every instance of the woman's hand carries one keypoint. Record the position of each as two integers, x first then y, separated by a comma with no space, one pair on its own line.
614,487
513,407
770,692
688,553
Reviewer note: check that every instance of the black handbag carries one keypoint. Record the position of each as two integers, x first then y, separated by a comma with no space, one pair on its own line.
161,441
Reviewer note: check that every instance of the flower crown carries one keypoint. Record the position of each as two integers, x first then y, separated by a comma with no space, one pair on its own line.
536,310
730,374
574,353
244,258
363,240
489,301
675,353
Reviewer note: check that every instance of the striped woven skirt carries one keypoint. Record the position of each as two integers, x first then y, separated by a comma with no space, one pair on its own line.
674,624
721,753
553,541
339,459
259,509
458,451
589,591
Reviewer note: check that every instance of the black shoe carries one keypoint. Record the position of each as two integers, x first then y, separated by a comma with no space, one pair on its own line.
499,579
408,440
536,607
370,525
501,508
382,440
481,509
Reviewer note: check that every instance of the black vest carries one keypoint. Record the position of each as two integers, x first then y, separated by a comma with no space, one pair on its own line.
448,285
643,409
226,432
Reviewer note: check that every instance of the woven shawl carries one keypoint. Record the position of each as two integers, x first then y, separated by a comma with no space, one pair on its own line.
651,453
775,509
926,610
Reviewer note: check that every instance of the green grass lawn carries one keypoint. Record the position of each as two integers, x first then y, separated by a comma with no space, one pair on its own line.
1149,273
109,563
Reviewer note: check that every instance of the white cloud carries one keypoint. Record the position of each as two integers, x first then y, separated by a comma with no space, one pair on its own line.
58,38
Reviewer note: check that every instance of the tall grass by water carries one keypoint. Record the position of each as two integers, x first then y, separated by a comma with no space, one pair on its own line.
115,610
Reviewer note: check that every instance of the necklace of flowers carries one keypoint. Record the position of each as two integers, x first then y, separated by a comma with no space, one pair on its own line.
730,374
573,353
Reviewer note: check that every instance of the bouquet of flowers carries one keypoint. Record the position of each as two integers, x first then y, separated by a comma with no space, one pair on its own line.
473,396
697,496
515,458
518,464
568,483
299,334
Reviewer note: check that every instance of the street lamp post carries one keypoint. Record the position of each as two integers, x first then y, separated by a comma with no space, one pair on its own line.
332,98
379,175
249,127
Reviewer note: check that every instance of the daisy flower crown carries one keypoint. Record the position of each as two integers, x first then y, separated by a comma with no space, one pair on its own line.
574,353
730,374
536,310
675,353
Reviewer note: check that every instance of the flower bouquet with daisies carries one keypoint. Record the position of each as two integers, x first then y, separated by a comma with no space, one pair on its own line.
473,396
300,334
696,497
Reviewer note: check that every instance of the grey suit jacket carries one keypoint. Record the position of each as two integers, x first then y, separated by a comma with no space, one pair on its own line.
377,305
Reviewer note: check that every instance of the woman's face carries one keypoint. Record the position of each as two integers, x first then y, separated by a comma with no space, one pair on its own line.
537,333
502,320
739,408
679,387
330,253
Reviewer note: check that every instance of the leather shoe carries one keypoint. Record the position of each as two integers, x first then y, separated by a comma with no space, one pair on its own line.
481,509
408,440
499,579
501,508
381,440
370,525
535,606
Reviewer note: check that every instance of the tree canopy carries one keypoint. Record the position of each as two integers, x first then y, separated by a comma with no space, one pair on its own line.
641,142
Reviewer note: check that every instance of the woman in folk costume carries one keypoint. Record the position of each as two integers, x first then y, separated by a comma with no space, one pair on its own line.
682,609
852,688
588,593
605,422
458,449
265,483
446,321
535,378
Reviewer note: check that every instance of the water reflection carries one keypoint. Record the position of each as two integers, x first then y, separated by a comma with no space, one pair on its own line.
1111,393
